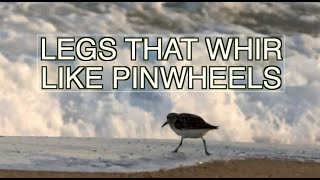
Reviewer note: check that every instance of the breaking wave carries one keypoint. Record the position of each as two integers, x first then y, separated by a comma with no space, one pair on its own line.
290,117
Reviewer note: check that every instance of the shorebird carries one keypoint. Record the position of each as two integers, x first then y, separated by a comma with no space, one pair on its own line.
189,126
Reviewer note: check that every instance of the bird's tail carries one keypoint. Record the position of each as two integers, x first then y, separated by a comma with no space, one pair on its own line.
215,127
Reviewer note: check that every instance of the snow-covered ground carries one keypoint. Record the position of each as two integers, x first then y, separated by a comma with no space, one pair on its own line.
128,155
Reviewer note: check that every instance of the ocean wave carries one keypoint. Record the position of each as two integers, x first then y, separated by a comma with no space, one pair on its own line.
289,117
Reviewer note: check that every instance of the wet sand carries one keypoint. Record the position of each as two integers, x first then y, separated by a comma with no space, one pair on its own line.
234,168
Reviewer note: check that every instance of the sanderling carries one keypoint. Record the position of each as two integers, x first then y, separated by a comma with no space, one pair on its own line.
189,126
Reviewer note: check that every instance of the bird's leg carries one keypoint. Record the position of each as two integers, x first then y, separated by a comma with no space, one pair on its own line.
176,150
205,146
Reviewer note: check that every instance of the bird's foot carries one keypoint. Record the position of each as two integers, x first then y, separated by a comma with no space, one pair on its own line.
175,151
208,154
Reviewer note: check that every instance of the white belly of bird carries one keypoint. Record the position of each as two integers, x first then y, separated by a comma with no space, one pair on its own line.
191,133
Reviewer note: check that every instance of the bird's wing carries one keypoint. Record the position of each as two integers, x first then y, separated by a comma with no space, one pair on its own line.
192,121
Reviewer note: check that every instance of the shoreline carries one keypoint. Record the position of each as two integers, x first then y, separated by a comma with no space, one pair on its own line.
218,169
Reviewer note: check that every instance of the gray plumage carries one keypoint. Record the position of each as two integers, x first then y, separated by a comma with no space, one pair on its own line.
189,126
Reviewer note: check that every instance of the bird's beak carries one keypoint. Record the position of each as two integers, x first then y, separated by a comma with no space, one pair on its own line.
164,124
